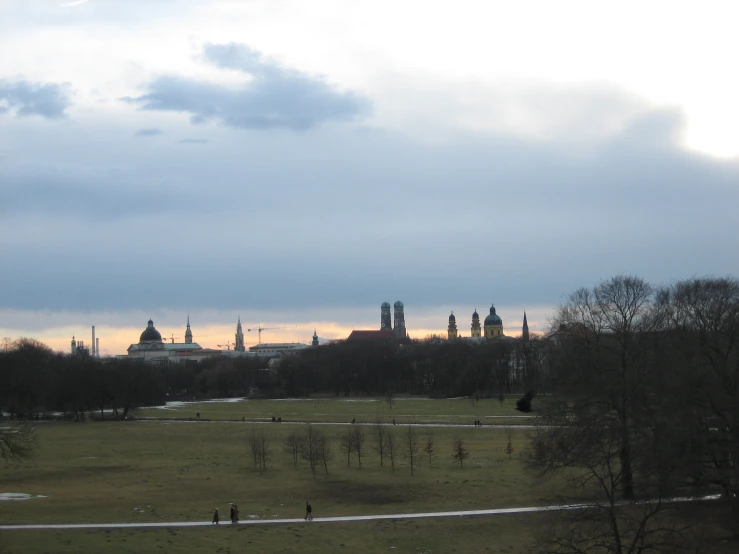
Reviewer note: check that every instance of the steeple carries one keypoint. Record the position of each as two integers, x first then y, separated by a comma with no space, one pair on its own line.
74,345
525,333
452,329
188,332
476,329
315,338
239,342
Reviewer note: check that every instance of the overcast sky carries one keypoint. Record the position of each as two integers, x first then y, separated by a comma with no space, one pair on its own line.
298,163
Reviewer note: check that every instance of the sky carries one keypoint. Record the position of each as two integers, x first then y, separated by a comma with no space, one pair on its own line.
295,164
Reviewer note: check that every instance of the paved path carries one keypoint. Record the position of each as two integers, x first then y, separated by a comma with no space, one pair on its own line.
342,519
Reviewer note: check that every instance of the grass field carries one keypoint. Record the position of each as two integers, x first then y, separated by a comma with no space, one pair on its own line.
159,471
340,409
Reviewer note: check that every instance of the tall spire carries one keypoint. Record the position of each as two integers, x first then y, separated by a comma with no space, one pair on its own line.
188,332
239,342
525,327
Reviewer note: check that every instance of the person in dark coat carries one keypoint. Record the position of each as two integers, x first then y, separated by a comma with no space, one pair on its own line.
216,519
308,512
233,513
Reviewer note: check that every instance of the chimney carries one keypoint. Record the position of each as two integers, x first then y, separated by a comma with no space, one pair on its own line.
97,347
93,341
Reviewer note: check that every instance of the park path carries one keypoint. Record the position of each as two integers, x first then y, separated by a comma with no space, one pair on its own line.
338,519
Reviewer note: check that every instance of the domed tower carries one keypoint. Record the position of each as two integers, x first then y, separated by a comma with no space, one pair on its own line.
452,330
385,323
399,320
188,332
239,342
74,346
315,338
493,325
525,332
476,330
150,336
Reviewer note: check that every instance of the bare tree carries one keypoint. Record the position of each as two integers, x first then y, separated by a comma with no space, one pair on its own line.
292,446
265,452
254,446
428,448
411,447
459,452
309,450
17,443
358,443
325,454
347,444
260,450
379,435
509,449
391,448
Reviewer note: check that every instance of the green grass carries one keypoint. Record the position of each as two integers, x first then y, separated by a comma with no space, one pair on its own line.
363,409
510,534
160,471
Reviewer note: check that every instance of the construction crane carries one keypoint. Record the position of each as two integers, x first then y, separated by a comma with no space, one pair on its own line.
227,345
172,338
259,329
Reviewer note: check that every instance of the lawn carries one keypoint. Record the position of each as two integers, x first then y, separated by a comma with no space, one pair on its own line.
179,470
343,409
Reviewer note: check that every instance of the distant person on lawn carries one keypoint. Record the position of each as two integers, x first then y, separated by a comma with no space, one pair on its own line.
308,512
215,516
233,513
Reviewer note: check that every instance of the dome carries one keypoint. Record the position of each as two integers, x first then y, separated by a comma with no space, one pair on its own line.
385,306
399,304
452,318
150,334
493,318
475,315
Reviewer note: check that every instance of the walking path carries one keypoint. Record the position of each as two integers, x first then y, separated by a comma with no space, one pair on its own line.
341,519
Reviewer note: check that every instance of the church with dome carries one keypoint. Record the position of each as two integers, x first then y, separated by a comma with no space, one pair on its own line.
491,328
152,349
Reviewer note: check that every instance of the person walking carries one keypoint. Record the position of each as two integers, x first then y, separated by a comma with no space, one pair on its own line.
236,513
215,516
233,513
308,512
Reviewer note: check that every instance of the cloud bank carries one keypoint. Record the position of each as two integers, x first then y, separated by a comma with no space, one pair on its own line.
274,97
23,98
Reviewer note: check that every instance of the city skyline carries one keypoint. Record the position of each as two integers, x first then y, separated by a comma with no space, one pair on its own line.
294,162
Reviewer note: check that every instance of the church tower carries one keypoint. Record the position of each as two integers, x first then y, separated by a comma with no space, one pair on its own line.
452,330
239,342
188,332
74,346
476,330
493,325
525,332
399,329
315,338
385,323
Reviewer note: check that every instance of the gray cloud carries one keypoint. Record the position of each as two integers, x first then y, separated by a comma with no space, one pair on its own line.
149,132
276,97
49,100
353,218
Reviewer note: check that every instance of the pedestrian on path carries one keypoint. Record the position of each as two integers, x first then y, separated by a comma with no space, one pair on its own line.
215,516
233,513
308,512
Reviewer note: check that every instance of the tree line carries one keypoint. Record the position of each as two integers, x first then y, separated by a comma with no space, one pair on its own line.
319,449
648,410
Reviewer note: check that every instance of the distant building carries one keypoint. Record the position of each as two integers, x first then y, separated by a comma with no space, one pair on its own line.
277,349
491,328
370,335
452,329
152,349
315,338
388,329
239,343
